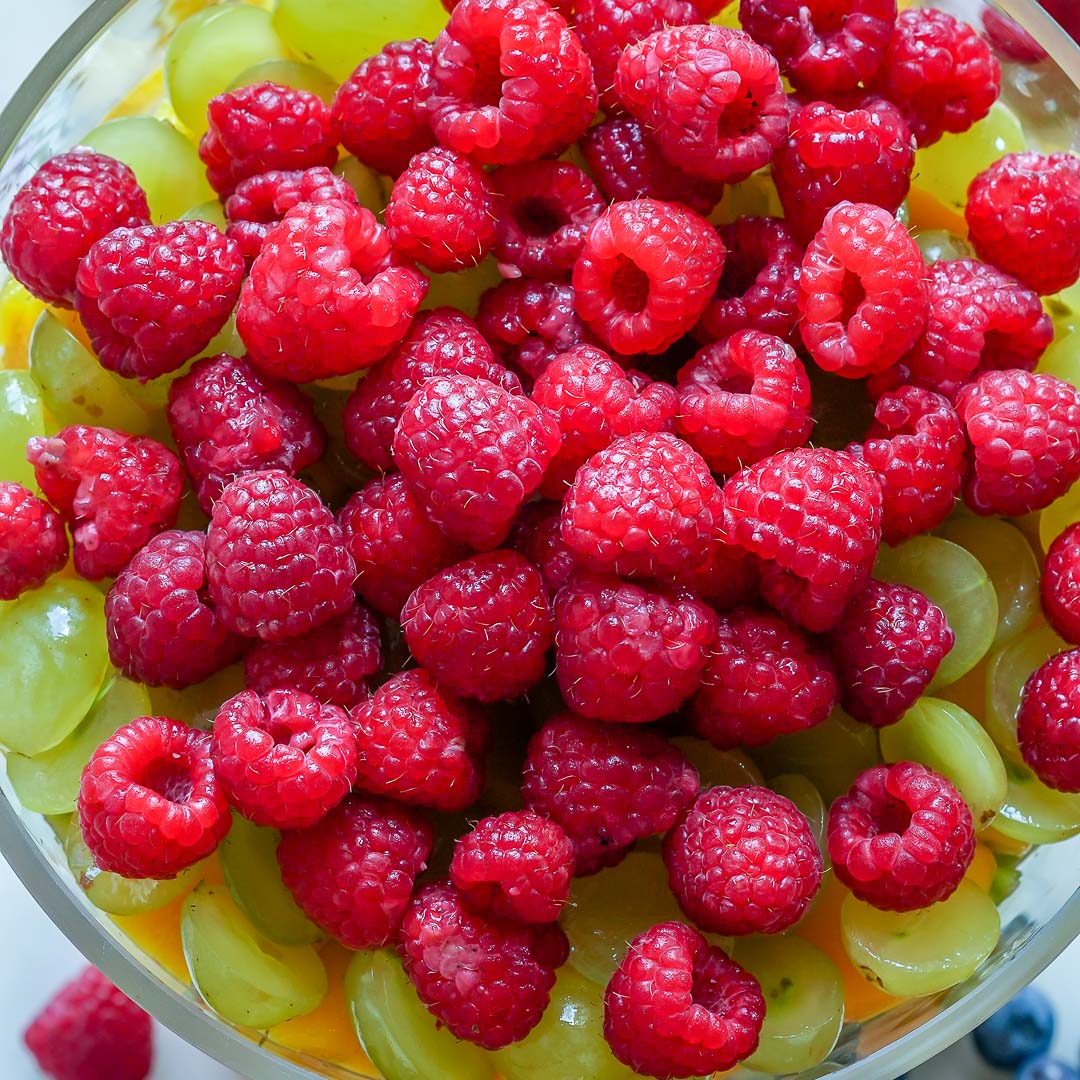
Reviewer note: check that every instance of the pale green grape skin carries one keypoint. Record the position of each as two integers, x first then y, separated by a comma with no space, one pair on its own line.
807,798
198,705
1034,813
292,73
718,768
365,181
463,289
211,211
22,415
936,244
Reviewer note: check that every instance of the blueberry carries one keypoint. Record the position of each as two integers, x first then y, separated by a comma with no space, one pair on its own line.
1020,1031
1047,1068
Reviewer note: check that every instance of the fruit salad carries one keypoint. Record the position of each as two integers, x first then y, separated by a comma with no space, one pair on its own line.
539,539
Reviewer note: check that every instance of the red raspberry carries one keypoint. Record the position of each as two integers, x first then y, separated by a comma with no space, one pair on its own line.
277,565
115,492
743,398
862,291
258,128
1023,434
149,803
517,865
420,745
1023,214
161,629
678,1006
353,872
1060,585
596,401
757,288
152,297
69,204
763,679
323,297
939,73
33,543
538,536
642,297
607,785
544,209
627,653
228,420
710,97
814,519
725,578
381,108
484,978
393,542
89,1030
510,82
902,838
1010,38
743,861
442,211
1048,722
473,454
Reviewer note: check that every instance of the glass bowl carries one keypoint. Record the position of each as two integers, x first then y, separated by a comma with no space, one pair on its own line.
92,67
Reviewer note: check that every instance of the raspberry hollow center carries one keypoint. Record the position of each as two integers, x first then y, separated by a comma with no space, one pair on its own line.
630,286
539,217
852,294
169,778
739,117
892,816
487,73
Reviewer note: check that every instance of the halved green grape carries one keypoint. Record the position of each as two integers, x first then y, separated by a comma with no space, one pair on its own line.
807,798
365,181
730,768
463,289
958,583
22,415
946,738
1058,516
938,244
804,1002
399,1035
1034,813
1006,878
241,975
211,211
198,705
294,73
913,953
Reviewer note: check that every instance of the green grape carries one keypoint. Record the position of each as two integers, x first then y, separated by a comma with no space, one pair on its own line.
208,50
914,953
1006,878
1034,813
804,1002
55,658
365,181
294,73
944,737
1058,516
198,705
241,975
165,163
211,210
958,583
463,289
938,244
49,782
248,858
807,798
22,415
718,768
400,1036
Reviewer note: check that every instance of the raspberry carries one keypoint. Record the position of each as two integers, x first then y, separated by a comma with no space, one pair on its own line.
517,865
381,108
277,565
628,164
757,288
538,536
442,211
902,838
678,1006
824,46
887,648
1023,213
627,653
642,297
323,297
1010,38
69,204
259,128
814,519
484,978
1048,722
1023,434
115,492
333,663
149,803
726,578
510,82
743,861
393,542
864,154
161,629
353,872
544,209
916,448
862,291
152,297
763,679
227,420
710,97
938,72
89,1030
472,455
33,543
596,401
742,399
607,785
1060,585
420,745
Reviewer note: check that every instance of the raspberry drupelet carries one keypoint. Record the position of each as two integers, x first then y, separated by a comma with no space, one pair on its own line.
1048,722
1060,585
33,541
725,578
537,534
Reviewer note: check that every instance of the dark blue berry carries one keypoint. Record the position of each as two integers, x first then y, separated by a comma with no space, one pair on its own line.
1047,1068
1020,1031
